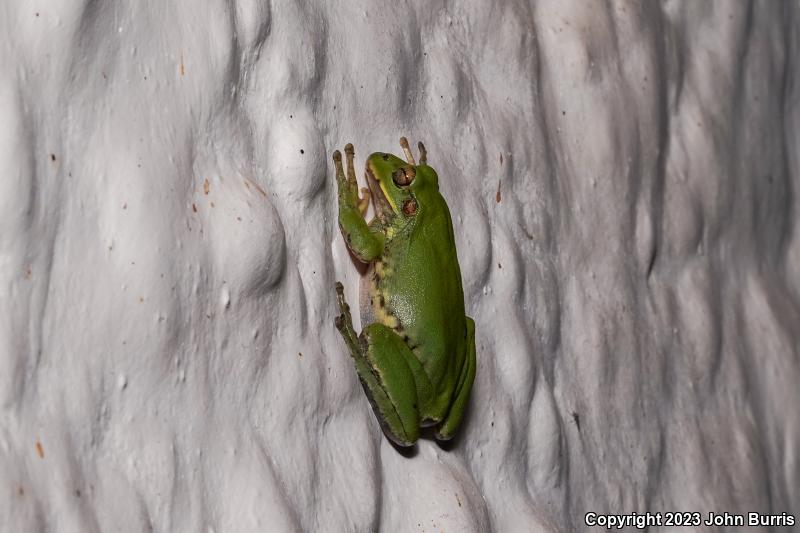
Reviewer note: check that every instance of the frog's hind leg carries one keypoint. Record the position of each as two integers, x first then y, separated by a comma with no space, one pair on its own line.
389,383
381,364
450,424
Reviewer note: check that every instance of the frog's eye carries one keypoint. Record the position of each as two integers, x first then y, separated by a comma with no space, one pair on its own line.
410,207
404,176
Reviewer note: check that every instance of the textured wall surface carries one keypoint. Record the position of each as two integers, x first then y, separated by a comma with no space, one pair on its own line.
623,180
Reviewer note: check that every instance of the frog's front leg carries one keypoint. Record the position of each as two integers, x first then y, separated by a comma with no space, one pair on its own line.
450,424
365,242
381,360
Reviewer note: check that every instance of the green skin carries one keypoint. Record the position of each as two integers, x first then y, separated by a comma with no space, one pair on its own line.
416,361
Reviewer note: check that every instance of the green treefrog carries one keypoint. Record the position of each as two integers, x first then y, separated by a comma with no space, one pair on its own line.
415,356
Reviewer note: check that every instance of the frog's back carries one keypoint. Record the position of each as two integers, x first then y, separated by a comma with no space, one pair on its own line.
430,307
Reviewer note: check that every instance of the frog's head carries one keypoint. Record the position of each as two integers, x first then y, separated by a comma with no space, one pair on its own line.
395,184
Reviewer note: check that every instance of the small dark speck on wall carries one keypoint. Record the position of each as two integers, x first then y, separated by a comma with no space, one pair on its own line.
301,151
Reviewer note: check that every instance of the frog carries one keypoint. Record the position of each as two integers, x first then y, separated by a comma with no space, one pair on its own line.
415,356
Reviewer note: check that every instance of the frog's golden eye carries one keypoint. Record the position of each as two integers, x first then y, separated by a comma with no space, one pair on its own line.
410,207
404,176
385,157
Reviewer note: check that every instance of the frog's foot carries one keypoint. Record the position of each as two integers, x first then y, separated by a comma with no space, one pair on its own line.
407,151
361,201
423,154
347,184
344,322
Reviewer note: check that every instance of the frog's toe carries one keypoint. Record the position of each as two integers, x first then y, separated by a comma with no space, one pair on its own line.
339,293
407,151
423,154
363,200
341,180
349,154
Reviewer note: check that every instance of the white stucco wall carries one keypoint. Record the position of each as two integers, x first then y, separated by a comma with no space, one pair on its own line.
624,183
